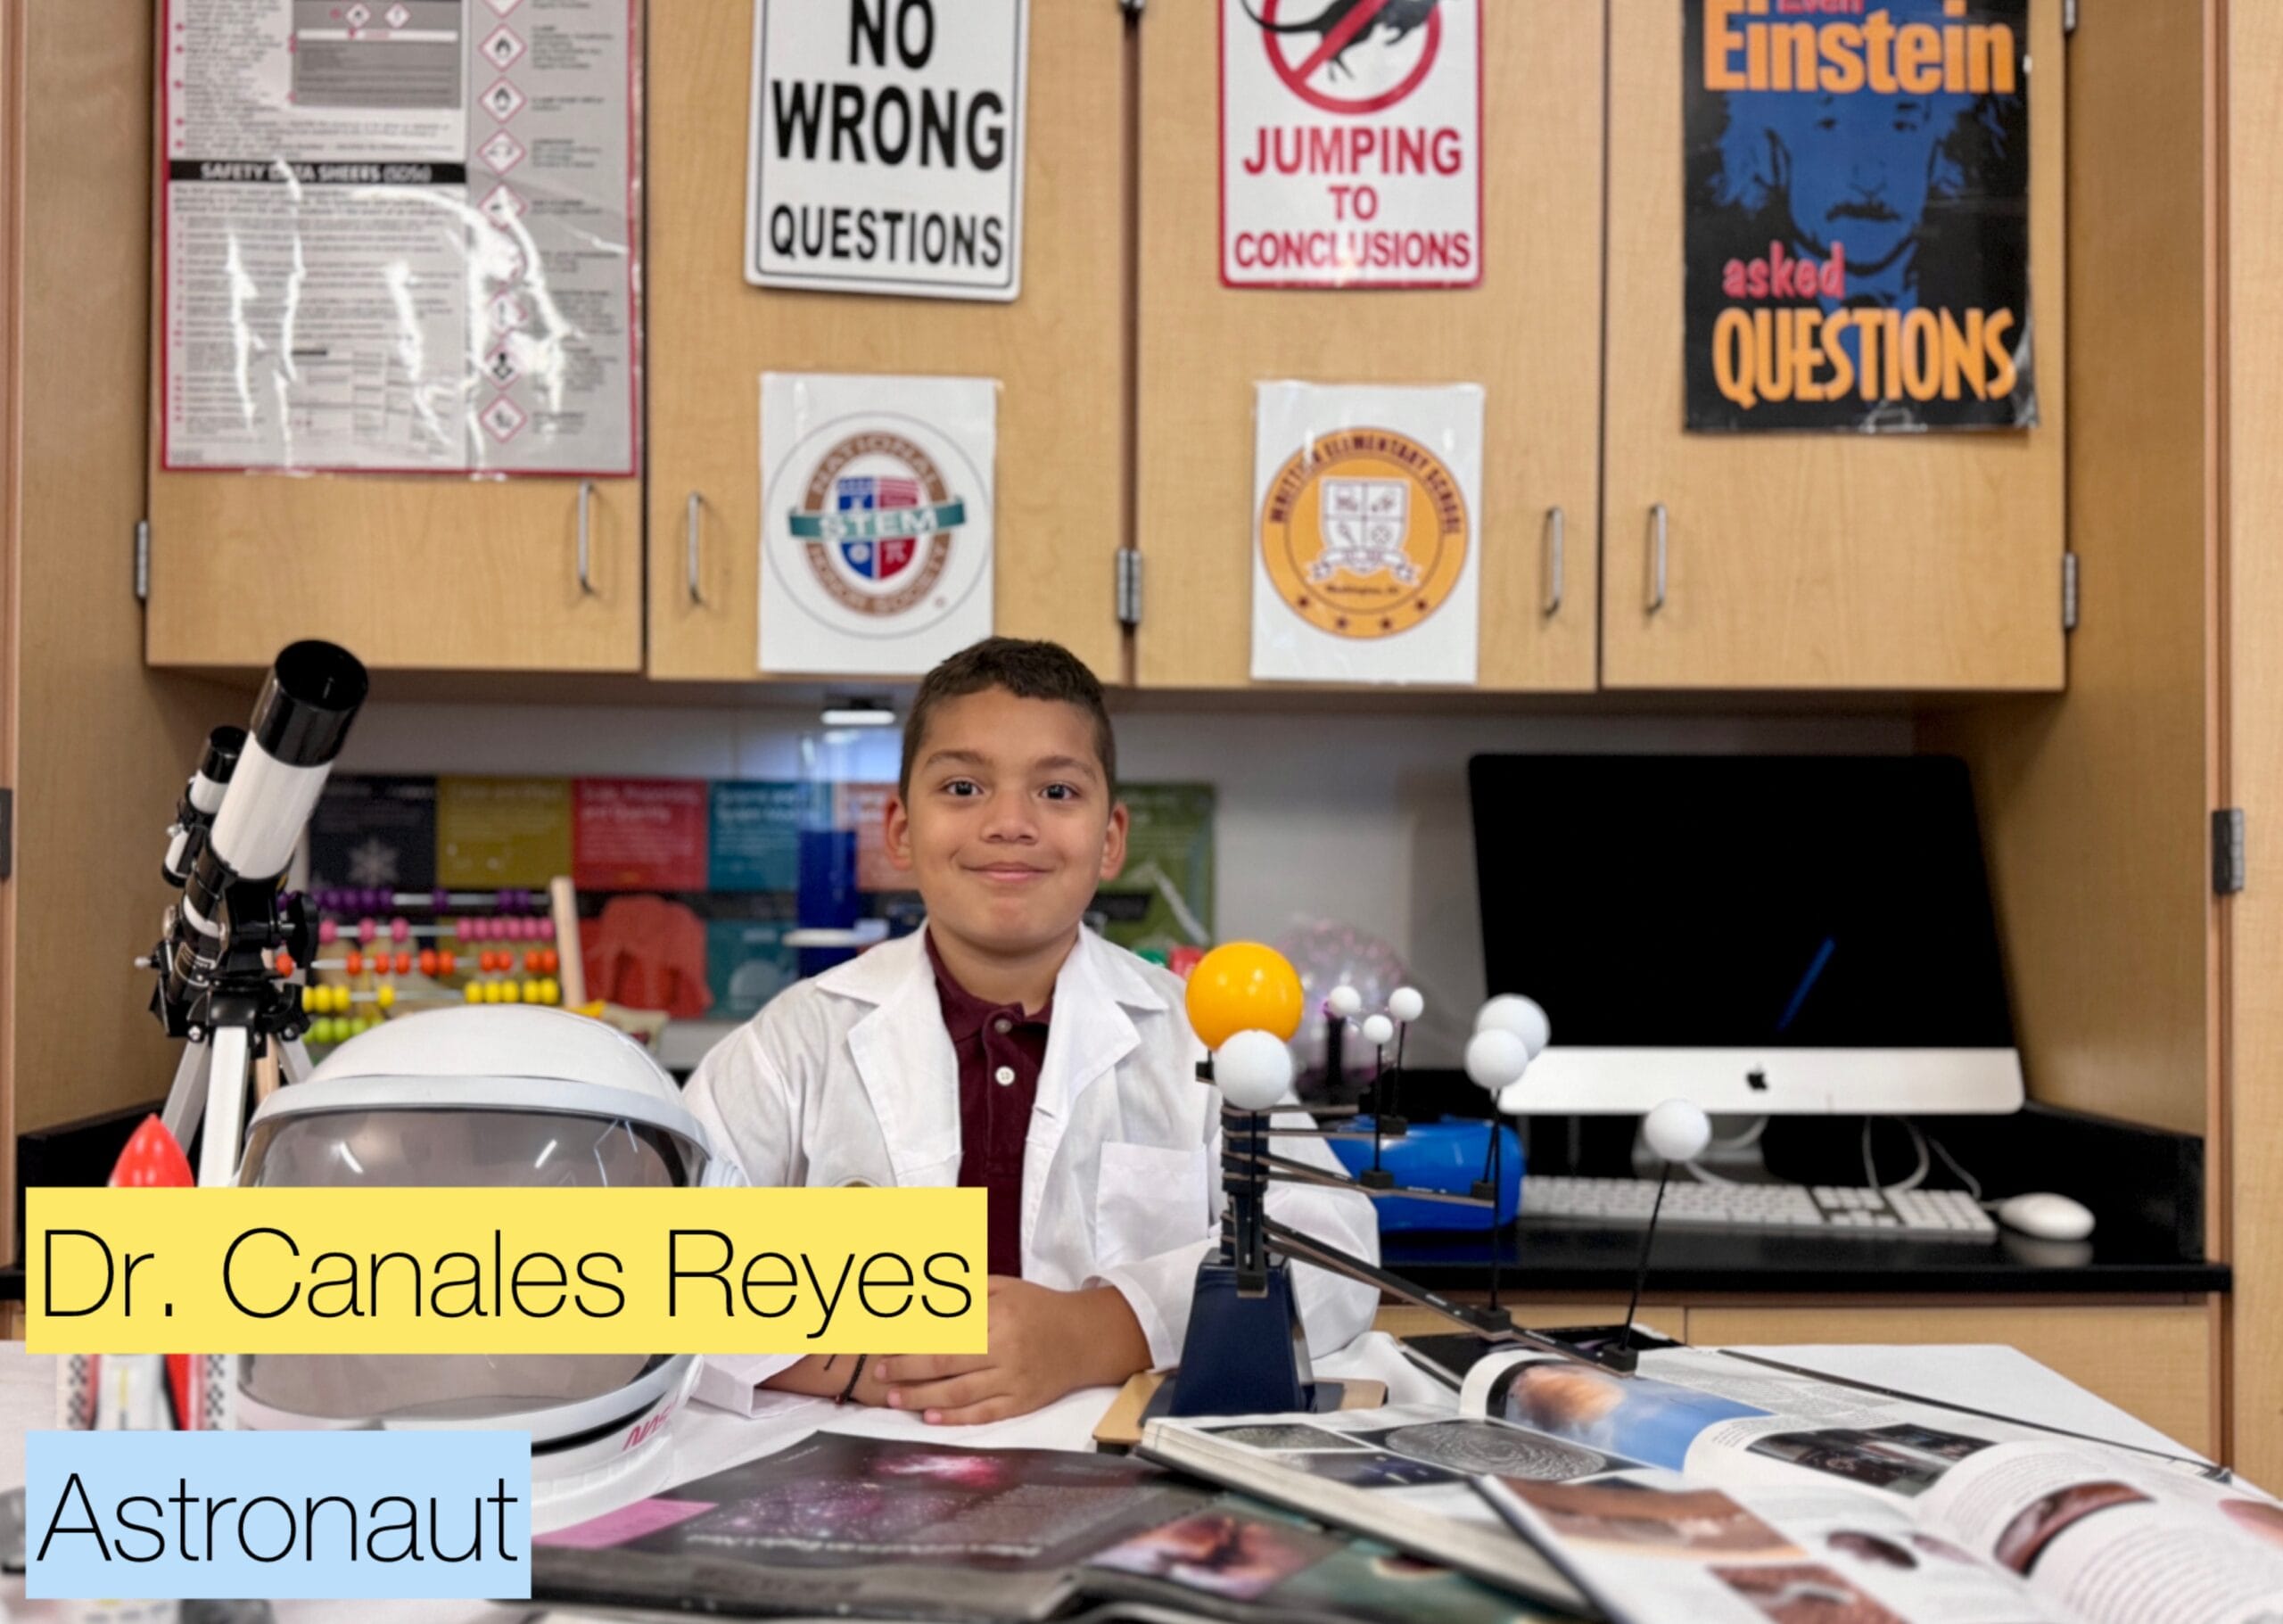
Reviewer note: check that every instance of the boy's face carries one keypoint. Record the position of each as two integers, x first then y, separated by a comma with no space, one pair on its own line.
1008,826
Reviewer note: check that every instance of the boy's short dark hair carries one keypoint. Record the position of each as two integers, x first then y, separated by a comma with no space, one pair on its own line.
1025,668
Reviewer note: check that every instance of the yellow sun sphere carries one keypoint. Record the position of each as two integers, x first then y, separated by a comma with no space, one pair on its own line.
1242,986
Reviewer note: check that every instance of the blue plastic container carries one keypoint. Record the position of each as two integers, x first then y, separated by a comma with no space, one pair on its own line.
1444,1156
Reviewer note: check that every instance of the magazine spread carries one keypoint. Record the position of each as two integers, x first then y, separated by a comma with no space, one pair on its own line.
1768,1494
1403,1473
838,1524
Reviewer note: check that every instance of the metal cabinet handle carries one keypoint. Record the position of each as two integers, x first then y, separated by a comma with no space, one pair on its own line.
1554,527
689,549
1660,531
586,538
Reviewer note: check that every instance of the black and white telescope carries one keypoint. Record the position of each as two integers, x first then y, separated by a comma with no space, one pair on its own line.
235,833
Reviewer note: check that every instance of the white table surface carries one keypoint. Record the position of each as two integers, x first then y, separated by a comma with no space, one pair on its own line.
706,1440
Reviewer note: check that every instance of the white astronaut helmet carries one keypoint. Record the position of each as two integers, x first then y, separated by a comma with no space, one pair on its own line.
508,1096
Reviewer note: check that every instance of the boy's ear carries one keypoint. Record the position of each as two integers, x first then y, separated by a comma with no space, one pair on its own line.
895,830
1114,843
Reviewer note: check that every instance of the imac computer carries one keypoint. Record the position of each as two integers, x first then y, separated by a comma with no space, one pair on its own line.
1761,935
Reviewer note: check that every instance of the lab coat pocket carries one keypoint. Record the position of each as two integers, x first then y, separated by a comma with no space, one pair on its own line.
1149,1198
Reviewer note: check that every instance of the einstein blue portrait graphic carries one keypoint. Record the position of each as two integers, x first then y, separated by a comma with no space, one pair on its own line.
1857,214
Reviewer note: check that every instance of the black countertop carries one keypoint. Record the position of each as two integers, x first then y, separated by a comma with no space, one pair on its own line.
2144,1186
1546,1256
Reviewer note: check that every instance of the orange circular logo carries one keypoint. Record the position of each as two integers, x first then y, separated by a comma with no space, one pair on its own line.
1363,532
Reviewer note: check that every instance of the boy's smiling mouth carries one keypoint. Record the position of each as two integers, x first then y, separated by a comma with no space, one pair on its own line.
1007,873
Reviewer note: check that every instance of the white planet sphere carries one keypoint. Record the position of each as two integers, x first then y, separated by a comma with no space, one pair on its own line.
1253,1069
1678,1130
1495,1058
1344,1000
1378,1030
1512,1012
1405,1003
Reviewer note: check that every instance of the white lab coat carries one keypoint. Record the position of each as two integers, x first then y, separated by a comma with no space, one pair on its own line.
851,1079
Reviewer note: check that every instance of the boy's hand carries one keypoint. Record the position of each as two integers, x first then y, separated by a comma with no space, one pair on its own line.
1043,1344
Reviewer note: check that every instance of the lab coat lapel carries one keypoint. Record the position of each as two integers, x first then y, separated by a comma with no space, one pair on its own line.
904,1059
1090,1033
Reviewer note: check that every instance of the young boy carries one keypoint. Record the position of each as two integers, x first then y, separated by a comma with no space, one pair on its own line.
1007,1047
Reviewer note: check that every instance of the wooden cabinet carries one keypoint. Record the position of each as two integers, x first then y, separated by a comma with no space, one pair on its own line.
1057,350
1919,562
2153,1360
433,572
1528,335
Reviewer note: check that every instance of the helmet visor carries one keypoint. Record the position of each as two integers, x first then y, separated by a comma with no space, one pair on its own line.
448,1148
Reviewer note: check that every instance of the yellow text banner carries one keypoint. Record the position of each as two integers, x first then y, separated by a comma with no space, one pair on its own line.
505,1271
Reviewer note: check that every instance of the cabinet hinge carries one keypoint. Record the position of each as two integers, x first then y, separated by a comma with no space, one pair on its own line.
2068,592
2229,867
142,561
2068,16
7,832
1129,587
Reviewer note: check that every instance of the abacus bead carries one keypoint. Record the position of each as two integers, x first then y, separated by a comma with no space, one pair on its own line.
530,991
366,930
308,998
404,964
353,963
400,929
473,991
385,997
448,962
282,962
549,992
440,899
427,961
329,932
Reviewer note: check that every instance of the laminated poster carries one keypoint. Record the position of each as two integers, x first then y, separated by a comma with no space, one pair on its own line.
876,521
1351,142
399,235
885,152
1857,214
1366,503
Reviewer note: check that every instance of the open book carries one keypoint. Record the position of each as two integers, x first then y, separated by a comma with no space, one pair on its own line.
1762,1495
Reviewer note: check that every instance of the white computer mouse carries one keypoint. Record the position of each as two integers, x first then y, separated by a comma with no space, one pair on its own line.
2048,1218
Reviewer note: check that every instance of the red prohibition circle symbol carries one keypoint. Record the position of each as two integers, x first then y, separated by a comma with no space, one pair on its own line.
1350,29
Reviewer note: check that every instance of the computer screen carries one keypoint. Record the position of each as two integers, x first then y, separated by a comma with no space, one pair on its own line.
1740,903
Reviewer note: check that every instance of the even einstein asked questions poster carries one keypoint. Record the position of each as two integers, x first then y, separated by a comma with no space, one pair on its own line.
1857,214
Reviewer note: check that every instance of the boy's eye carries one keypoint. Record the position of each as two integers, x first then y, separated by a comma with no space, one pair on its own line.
1061,792
962,786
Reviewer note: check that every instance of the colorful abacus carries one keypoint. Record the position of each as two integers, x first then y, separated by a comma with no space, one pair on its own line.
374,938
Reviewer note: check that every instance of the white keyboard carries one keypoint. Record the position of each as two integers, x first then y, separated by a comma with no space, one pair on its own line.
1940,1215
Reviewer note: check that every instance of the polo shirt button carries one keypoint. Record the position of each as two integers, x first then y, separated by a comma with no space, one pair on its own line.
1002,1026
1004,1075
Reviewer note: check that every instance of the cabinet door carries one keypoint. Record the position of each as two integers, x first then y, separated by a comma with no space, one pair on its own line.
2151,1360
434,572
1057,350
1918,562
1528,335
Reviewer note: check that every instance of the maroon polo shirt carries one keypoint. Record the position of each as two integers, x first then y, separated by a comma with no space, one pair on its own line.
999,1052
